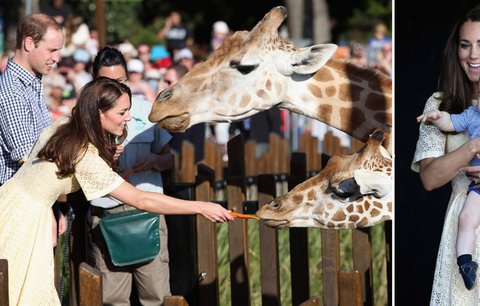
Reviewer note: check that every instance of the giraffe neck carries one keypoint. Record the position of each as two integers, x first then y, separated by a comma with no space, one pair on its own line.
344,96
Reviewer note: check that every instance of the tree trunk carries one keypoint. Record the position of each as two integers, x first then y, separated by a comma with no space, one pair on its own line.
321,22
295,19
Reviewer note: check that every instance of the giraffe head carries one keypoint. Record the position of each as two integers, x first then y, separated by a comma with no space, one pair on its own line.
246,75
351,191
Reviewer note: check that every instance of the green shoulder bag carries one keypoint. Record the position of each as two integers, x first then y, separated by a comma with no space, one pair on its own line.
131,236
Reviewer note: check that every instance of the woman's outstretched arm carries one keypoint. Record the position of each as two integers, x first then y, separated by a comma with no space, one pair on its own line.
162,204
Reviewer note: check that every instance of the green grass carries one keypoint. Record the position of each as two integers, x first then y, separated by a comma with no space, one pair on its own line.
315,263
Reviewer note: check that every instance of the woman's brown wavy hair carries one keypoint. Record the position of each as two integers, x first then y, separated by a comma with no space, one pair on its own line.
456,90
71,140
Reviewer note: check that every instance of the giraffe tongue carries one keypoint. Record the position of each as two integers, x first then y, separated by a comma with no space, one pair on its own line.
176,124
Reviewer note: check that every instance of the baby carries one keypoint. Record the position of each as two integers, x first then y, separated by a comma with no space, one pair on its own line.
469,219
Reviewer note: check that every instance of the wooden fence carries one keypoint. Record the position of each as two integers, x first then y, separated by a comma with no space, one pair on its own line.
354,287
193,243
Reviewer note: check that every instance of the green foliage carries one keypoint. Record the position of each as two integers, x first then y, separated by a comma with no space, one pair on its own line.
122,20
365,17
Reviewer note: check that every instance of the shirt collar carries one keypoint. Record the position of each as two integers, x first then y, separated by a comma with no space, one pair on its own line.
23,75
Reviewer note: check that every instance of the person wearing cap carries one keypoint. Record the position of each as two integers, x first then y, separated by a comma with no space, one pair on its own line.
138,85
80,75
185,57
153,77
54,85
128,50
160,58
220,31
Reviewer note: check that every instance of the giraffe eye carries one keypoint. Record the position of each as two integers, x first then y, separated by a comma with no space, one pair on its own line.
347,188
243,69
246,69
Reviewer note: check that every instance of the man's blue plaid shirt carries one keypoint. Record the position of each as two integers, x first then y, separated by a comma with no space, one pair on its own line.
23,116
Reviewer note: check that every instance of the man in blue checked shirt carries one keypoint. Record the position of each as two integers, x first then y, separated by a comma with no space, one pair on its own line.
23,112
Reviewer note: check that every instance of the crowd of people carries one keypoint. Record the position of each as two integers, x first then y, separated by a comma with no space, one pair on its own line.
61,77
375,53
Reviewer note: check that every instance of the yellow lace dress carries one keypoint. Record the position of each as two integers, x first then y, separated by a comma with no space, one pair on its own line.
26,219
448,287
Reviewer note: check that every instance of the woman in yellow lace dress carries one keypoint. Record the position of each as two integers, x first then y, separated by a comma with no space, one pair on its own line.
72,153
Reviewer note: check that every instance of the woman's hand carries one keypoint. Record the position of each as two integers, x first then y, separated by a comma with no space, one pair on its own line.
473,173
118,152
215,212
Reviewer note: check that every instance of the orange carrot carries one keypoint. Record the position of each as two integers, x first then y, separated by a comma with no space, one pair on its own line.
243,216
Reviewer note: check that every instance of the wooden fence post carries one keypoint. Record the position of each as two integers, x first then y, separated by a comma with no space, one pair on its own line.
362,262
213,158
181,246
269,255
4,282
299,238
351,289
187,165
309,145
90,286
207,261
330,266
237,230
251,166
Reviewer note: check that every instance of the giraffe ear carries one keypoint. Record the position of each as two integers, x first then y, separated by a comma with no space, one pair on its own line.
308,60
373,182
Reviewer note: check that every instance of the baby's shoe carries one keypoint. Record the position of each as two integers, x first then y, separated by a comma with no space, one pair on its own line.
469,274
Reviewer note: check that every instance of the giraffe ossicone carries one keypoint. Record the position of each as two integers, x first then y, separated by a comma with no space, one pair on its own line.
352,191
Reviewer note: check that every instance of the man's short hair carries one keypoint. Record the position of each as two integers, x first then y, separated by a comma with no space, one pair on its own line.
35,26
